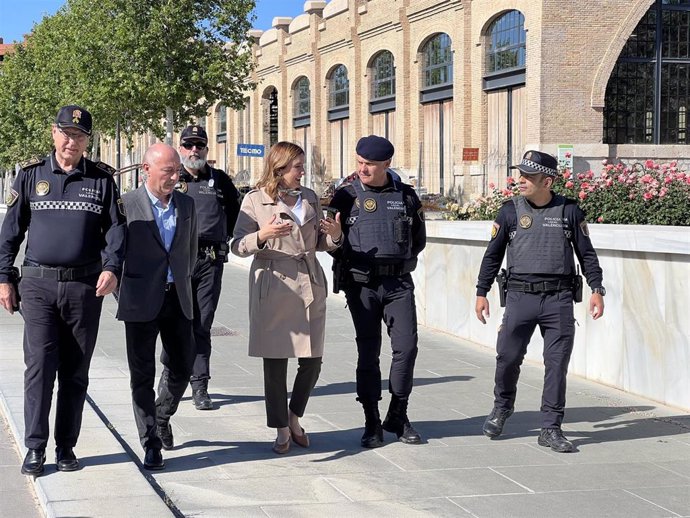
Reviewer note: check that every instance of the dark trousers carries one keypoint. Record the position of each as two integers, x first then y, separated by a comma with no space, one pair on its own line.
553,313
391,300
60,331
177,358
206,284
275,388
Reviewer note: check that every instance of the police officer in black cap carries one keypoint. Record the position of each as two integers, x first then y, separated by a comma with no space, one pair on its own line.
217,205
73,258
540,230
384,231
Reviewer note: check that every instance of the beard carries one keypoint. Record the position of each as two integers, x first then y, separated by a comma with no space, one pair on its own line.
195,164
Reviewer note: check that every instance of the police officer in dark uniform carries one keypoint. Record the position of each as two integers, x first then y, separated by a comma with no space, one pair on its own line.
540,230
217,205
73,258
384,231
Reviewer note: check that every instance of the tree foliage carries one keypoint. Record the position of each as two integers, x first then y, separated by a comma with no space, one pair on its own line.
126,61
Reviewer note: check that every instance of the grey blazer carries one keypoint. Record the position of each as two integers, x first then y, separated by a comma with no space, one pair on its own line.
142,287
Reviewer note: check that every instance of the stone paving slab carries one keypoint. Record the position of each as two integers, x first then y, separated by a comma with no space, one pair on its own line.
633,456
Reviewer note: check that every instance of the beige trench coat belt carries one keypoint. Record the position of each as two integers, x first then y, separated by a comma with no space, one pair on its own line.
306,273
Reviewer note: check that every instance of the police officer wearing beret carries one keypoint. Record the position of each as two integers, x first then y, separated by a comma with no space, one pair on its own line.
72,210
384,232
540,230
217,205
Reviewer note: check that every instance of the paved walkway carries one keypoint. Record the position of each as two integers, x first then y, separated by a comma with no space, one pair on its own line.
633,456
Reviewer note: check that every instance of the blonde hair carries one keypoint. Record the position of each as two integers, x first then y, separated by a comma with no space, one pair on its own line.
279,157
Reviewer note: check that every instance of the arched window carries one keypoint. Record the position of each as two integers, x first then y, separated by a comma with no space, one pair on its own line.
506,43
648,93
340,88
301,95
339,94
221,120
382,76
438,61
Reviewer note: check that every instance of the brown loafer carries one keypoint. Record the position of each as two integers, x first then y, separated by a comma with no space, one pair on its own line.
281,449
300,440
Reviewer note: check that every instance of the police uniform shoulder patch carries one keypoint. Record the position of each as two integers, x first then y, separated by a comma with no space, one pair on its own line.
11,198
525,221
584,228
31,162
121,207
42,188
494,229
181,186
105,167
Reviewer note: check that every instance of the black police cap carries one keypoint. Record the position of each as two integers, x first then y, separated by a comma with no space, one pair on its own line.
73,116
195,133
375,148
535,162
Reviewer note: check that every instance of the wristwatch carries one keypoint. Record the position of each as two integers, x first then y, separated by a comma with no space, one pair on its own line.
601,291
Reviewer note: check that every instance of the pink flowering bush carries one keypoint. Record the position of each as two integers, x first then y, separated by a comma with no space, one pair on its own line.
640,194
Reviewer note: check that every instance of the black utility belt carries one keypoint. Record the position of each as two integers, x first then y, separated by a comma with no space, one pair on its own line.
364,273
58,273
540,287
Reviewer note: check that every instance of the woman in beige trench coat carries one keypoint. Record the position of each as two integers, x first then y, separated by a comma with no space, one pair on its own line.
281,224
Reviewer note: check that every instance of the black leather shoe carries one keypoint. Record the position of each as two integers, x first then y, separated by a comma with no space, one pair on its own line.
373,435
166,436
153,460
553,438
410,435
493,426
201,399
34,461
65,459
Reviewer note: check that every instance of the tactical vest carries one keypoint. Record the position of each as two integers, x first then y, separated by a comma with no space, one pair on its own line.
210,206
380,227
540,245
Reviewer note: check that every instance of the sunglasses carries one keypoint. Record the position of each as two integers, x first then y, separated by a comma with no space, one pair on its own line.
192,145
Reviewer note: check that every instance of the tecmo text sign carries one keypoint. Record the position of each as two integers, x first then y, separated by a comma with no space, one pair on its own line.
255,150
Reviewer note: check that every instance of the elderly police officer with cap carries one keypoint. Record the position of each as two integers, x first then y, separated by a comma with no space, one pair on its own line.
217,205
384,231
540,230
73,258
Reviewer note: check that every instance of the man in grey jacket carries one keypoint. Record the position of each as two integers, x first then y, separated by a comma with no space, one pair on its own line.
156,297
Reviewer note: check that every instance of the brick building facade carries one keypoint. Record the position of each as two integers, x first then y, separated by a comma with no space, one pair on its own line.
463,87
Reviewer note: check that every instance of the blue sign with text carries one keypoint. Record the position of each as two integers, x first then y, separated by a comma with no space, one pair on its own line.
255,150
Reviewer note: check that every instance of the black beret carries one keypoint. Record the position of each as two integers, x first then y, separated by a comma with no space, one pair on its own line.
74,116
535,162
194,133
375,148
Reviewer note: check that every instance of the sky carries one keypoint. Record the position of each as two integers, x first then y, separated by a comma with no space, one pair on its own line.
17,17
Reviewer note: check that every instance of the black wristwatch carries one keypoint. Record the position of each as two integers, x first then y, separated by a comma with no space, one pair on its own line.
601,291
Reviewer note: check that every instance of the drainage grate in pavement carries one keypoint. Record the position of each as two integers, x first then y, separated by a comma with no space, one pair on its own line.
223,331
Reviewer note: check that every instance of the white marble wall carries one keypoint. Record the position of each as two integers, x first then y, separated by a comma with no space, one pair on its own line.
640,345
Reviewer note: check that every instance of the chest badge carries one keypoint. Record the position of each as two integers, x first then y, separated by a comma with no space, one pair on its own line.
525,221
42,188
370,204
211,182
181,186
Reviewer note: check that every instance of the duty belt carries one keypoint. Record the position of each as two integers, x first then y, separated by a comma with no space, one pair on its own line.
58,273
539,287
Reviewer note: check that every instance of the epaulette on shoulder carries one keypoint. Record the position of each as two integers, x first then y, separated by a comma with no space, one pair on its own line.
106,168
509,200
32,162
570,201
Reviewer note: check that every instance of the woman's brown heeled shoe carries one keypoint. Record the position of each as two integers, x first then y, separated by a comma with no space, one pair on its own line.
281,448
300,440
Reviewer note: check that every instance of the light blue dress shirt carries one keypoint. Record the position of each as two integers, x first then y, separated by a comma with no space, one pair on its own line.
166,220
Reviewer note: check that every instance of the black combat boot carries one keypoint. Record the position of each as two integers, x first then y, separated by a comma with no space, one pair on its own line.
397,422
373,434
200,397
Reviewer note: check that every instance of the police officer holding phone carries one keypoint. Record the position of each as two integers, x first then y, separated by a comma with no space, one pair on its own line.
217,204
384,232
75,220
540,231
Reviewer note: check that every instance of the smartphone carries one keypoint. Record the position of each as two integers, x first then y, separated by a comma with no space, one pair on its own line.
330,212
